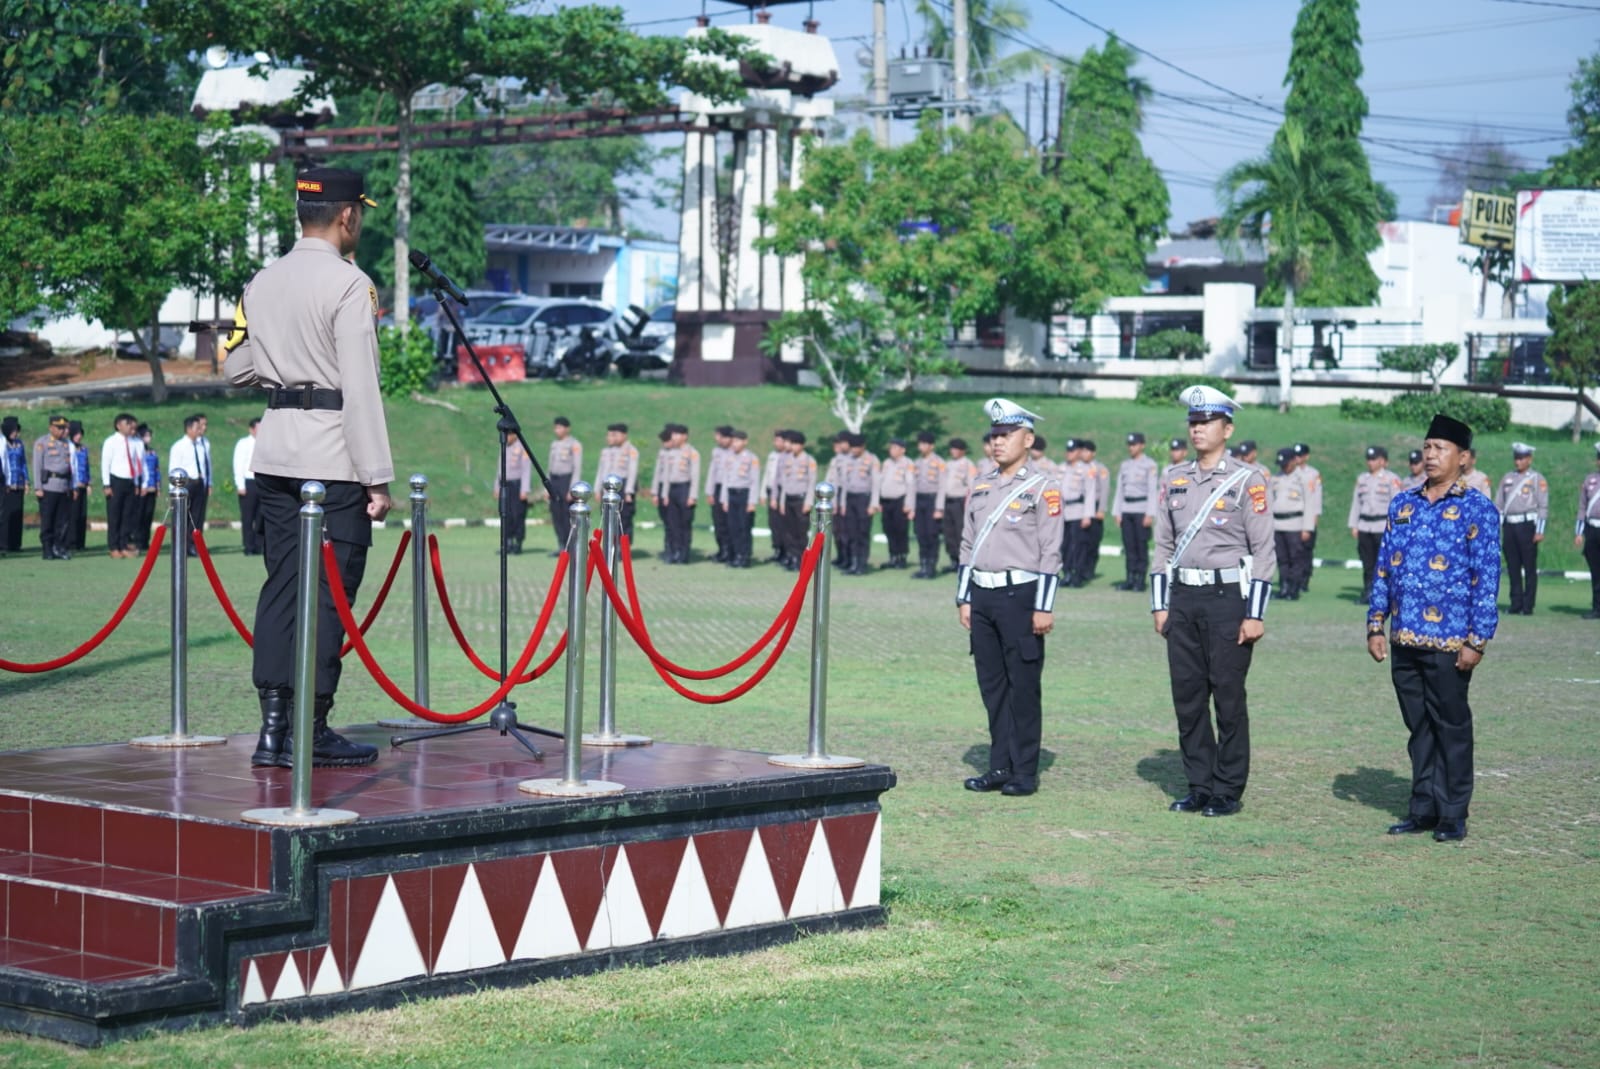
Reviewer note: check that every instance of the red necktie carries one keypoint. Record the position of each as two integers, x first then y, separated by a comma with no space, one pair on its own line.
127,447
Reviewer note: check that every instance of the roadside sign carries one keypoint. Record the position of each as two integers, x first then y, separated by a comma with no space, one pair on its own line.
1487,220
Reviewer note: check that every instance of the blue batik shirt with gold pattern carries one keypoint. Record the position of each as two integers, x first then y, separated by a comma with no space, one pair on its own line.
1439,570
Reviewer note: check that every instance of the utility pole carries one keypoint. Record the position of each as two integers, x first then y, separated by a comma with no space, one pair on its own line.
880,72
960,44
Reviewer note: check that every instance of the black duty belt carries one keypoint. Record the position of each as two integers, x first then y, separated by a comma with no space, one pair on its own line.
1287,515
1372,519
1073,501
308,398
1134,500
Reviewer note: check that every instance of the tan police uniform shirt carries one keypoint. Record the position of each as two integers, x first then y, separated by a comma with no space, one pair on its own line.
715,470
1138,485
1102,487
1290,498
859,475
1524,497
1589,504
675,464
1026,536
313,321
1369,504
52,465
1077,491
1237,527
959,473
519,468
566,458
741,471
798,477
928,477
1476,480
1313,490
622,461
896,480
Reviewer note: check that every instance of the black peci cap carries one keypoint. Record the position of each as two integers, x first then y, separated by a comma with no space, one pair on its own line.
334,184
1450,430
1415,457
1377,452
1135,438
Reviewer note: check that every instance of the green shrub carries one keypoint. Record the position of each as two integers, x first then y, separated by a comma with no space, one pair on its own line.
405,361
1482,412
1164,389
1361,408
1177,344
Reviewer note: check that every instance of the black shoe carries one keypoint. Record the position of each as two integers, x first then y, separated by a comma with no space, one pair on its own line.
272,747
1193,802
1222,807
329,749
991,780
1019,788
1414,826
1450,831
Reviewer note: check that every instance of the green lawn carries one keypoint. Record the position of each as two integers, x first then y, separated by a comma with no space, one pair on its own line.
1085,926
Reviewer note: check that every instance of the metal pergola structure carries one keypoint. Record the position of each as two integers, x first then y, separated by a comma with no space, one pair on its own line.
490,130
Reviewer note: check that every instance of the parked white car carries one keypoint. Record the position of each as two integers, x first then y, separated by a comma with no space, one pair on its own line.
547,328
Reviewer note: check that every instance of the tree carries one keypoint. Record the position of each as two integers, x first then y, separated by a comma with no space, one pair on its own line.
88,59
1579,166
1574,344
1326,101
579,52
989,24
569,183
1432,360
107,218
1301,193
902,245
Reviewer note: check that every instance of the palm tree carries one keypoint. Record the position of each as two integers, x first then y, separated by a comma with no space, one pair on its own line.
990,25
1281,199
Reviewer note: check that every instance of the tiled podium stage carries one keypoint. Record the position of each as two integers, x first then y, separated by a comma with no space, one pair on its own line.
135,896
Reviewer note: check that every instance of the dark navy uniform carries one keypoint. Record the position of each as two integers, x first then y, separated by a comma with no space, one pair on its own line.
13,484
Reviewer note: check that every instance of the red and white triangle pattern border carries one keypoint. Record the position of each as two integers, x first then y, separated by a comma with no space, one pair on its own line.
392,951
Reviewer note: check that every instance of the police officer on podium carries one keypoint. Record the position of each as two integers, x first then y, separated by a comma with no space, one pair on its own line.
309,338
1005,595
1209,586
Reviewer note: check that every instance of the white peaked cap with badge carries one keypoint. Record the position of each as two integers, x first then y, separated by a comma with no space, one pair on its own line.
1003,413
1206,403
1521,449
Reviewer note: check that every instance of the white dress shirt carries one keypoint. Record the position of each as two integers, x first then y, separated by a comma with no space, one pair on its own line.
193,455
122,455
244,452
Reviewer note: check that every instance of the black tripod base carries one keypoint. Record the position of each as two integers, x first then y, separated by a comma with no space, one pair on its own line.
503,718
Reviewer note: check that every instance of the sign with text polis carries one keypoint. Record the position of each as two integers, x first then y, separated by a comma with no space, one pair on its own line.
1558,235
1487,220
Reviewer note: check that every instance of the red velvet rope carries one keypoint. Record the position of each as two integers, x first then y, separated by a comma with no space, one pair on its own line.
790,617
110,625
400,698
461,639
244,632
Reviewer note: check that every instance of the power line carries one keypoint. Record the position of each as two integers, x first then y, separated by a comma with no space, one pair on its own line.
1551,3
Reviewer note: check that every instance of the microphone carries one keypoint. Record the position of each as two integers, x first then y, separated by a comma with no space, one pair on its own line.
420,261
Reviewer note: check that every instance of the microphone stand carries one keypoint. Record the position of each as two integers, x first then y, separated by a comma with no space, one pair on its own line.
503,717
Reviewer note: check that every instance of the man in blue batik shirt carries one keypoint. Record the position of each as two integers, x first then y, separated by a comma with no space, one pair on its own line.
1438,577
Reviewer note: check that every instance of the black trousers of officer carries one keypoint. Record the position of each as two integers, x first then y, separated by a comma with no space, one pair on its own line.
719,523
11,519
1367,545
952,523
1092,537
347,526
55,521
1074,551
1009,659
855,529
1208,666
199,499
737,522
1522,563
146,516
79,537
1293,556
560,517
514,514
680,521
795,519
1591,554
628,508
1433,702
927,528
1135,546
122,513
778,532
249,505
895,528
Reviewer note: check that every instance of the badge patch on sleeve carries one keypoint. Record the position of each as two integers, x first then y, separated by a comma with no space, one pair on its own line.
1258,498
1052,502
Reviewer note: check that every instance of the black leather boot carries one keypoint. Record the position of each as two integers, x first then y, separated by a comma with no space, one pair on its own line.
329,749
272,748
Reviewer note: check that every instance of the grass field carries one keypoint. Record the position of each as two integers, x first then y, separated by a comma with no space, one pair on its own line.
1084,926
456,450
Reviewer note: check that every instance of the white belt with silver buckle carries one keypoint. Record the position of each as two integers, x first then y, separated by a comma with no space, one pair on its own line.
1594,523
1206,576
1522,517
1009,577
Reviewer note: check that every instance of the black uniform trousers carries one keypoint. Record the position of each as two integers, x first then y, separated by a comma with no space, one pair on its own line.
55,521
1135,546
1367,545
927,528
249,505
514,514
1433,701
857,529
954,519
795,518
1009,659
1293,557
122,513
719,522
11,519
737,522
628,508
199,499
895,528
1522,563
1591,554
347,526
80,518
146,516
1208,666
560,517
776,529
1092,537
680,521
1074,551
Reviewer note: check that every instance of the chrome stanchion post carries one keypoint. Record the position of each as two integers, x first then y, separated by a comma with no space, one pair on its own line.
611,549
572,781
300,812
179,736
816,755
419,605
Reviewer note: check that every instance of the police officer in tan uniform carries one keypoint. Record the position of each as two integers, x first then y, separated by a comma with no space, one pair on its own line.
1476,479
620,457
770,471
1095,533
797,484
52,468
1005,594
1291,520
1133,510
835,476
1177,453
1369,511
723,435
513,493
1524,503
1209,585
1418,476
959,474
310,340
739,491
1313,480
564,467
858,500
929,476
672,487
896,496
1078,504
1587,533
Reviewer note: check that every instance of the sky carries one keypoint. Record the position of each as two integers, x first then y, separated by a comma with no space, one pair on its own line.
1434,69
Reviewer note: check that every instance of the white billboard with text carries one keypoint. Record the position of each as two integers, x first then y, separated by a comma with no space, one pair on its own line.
1558,235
